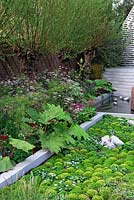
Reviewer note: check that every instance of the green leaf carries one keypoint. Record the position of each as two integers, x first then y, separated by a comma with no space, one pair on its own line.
69,140
78,132
5,164
53,112
53,142
20,144
33,114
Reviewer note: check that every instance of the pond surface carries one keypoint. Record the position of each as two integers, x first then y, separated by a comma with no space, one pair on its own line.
120,107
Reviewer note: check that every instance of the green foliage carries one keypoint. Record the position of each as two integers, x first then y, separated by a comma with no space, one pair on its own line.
20,144
39,26
85,115
86,172
54,128
5,164
99,86
9,149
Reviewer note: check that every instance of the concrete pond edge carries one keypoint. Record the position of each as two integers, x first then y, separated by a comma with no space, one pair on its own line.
43,155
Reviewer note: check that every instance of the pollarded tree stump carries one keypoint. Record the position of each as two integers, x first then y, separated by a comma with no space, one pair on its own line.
132,98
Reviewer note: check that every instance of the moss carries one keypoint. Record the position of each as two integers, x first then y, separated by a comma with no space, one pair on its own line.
131,152
101,182
98,169
72,197
94,185
98,161
50,191
79,172
68,182
86,162
91,169
69,170
76,189
45,183
107,172
94,178
84,151
63,175
96,197
87,174
86,183
91,192
83,197
48,164
118,174
120,161
129,163
59,164
117,178
105,192
122,155
116,150
72,151
99,174
124,166
110,161
116,197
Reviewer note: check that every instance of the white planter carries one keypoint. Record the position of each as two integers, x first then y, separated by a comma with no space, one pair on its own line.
100,100
22,168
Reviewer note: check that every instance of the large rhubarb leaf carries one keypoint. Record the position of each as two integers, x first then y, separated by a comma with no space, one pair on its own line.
34,115
53,112
52,142
20,144
5,164
78,132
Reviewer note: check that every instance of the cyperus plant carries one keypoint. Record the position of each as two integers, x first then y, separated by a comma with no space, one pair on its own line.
54,127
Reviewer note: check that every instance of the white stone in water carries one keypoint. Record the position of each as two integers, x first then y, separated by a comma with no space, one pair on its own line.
115,99
115,103
115,140
126,98
121,97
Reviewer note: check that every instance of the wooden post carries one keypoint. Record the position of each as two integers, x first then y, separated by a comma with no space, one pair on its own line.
132,98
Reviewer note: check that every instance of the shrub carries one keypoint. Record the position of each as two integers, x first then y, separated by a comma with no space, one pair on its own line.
39,26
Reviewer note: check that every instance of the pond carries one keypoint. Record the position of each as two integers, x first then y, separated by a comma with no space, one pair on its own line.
118,106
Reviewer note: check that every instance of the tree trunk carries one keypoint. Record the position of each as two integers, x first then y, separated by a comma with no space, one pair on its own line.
88,57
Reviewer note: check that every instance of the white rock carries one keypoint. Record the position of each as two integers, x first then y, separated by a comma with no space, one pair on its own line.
121,97
131,122
105,140
110,142
115,140
110,145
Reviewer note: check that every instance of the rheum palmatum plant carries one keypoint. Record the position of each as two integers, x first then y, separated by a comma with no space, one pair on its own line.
54,128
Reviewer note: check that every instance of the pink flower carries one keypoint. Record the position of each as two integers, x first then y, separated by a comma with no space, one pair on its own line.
77,107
